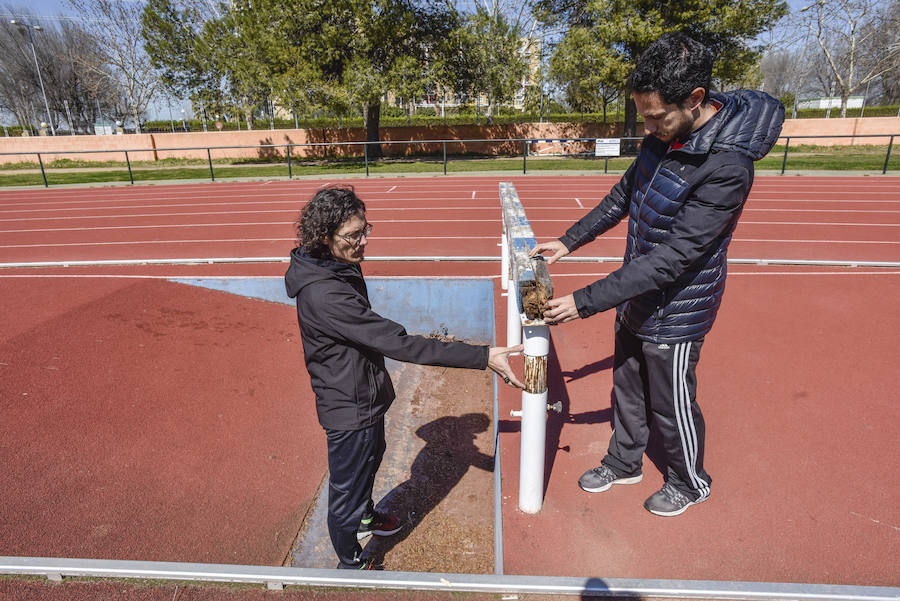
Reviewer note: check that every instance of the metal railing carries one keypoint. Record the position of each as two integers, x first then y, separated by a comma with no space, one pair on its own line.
290,158
887,157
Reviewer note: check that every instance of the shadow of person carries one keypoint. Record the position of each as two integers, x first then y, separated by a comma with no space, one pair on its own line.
448,453
587,370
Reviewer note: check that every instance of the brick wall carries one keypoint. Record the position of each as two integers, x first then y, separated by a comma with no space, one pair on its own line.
148,147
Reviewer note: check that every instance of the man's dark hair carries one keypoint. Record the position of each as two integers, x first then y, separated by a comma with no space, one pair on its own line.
673,66
323,215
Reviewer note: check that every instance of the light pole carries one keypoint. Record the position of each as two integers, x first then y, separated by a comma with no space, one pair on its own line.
28,29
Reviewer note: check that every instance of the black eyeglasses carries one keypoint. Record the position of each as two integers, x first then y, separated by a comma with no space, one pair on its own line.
357,237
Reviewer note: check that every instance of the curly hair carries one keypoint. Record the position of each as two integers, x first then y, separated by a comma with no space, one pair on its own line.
673,66
323,215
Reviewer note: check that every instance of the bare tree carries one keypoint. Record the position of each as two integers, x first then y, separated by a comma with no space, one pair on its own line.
115,28
845,31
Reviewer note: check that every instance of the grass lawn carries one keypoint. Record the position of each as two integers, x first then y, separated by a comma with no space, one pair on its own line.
817,158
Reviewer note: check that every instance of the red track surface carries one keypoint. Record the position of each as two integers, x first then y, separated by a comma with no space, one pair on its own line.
150,420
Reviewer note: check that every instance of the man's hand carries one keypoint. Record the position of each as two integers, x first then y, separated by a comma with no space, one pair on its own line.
498,360
556,247
561,310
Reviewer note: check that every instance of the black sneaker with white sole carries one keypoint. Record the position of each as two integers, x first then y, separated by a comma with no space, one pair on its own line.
369,563
669,501
601,478
380,525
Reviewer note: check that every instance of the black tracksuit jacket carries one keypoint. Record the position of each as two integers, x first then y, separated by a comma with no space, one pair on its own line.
682,207
345,343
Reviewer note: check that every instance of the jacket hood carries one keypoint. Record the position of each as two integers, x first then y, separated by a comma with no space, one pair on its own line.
306,269
748,122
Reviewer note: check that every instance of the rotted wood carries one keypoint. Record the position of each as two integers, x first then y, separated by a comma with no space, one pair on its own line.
535,374
534,294
530,274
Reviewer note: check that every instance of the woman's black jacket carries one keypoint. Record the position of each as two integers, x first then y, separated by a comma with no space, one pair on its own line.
345,342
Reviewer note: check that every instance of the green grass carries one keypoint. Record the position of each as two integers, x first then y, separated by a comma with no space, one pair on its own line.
800,157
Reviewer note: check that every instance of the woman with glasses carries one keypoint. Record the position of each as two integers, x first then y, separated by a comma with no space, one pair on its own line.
345,343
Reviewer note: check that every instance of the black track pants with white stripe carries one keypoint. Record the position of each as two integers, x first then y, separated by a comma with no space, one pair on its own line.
656,383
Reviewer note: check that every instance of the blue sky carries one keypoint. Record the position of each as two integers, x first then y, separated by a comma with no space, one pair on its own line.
57,7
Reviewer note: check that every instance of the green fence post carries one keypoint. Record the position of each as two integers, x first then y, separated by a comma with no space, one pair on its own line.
784,161
43,174
212,176
888,157
288,151
366,154
128,162
524,157
445,157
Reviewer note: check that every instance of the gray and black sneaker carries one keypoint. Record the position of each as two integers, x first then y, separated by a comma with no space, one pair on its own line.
669,501
601,478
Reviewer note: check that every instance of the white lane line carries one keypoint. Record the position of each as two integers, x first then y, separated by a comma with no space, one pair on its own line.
579,203
218,240
383,221
817,211
842,223
733,272
392,188
144,227
55,218
230,224
144,262
755,199
818,241
294,199
435,204
219,277
136,242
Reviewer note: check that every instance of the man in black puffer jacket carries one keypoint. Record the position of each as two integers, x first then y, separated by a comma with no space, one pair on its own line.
683,196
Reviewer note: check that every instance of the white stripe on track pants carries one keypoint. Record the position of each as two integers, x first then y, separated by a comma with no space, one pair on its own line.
656,383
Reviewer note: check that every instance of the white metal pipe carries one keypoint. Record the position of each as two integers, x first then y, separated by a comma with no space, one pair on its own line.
504,261
531,452
534,419
583,587
513,318
537,341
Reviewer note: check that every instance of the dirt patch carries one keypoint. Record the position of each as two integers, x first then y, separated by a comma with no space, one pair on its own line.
438,472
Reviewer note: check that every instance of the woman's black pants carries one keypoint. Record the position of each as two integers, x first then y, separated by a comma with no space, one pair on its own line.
354,457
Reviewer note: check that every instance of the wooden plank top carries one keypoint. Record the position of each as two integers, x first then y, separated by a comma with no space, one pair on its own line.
530,274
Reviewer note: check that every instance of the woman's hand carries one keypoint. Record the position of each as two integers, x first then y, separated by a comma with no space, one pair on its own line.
498,360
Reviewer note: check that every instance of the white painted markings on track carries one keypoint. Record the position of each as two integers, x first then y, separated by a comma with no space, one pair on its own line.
491,237
383,221
392,188
473,194
130,242
579,203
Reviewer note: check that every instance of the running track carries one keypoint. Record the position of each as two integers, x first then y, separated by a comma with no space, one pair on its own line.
829,218
800,372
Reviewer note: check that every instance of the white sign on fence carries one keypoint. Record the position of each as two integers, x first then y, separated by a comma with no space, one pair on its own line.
607,147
